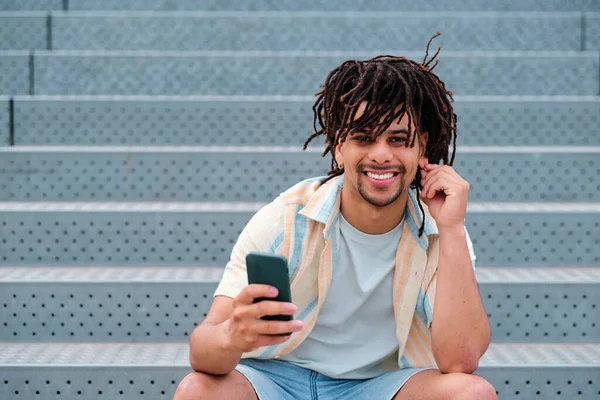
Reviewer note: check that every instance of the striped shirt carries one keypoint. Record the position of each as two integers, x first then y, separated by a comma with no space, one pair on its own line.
302,224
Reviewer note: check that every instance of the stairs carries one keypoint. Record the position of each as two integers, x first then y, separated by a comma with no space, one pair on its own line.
137,137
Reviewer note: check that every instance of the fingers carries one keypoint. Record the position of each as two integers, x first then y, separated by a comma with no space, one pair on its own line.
264,327
254,291
438,177
252,334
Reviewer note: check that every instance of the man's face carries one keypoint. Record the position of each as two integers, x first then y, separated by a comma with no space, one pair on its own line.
378,170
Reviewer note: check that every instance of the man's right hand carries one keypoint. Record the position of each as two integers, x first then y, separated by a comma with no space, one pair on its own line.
246,331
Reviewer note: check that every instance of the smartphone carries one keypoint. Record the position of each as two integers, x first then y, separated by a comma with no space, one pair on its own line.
270,269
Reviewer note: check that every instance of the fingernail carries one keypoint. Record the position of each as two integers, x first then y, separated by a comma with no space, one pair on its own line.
273,291
298,324
291,308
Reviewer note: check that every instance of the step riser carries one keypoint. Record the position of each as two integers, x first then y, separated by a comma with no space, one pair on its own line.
206,238
158,383
139,74
544,383
262,176
180,122
460,32
168,312
90,383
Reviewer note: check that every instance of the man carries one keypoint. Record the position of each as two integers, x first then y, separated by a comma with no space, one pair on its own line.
386,305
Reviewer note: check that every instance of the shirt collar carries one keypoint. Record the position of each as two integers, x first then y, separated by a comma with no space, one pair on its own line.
324,206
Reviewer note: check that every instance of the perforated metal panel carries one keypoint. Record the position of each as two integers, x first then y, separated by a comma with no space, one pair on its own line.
544,371
90,383
549,239
543,312
261,121
119,238
592,31
23,31
135,176
111,311
261,175
14,72
305,31
155,73
164,304
572,122
16,5
4,121
114,236
80,370
338,5
92,371
167,121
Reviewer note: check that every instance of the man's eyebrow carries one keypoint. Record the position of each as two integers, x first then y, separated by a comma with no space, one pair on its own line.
398,131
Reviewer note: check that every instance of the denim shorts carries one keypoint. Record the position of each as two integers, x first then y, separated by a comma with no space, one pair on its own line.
280,380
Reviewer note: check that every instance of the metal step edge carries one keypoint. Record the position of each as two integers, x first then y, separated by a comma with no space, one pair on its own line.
285,98
297,14
282,149
515,54
474,207
176,354
102,274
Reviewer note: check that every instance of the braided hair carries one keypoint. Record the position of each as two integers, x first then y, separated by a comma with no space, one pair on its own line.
392,87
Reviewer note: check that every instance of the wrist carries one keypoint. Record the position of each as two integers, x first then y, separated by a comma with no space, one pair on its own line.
457,230
225,343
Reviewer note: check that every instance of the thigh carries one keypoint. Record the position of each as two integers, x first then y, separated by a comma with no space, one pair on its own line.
276,380
433,385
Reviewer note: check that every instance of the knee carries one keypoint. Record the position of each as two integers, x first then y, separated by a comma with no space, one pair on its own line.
196,386
475,388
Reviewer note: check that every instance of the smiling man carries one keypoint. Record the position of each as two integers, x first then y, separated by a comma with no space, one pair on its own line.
386,305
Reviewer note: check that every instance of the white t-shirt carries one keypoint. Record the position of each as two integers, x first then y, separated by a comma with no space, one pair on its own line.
356,328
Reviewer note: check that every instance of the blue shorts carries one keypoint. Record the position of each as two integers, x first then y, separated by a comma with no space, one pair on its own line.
280,380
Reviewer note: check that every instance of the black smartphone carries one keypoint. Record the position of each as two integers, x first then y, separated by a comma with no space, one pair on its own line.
270,269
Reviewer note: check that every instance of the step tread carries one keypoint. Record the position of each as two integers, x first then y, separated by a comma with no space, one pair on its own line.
176,354
101,274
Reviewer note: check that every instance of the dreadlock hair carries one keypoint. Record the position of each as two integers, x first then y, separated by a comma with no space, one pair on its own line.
392,87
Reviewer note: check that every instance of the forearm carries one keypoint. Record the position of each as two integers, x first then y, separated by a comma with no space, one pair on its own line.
209,352
460,328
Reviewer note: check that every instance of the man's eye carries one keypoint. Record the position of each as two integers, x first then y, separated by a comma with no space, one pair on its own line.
362,139
398,139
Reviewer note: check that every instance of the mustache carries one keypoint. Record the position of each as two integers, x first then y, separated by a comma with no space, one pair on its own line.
399,168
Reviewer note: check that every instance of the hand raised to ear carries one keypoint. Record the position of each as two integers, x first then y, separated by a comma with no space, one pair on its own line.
446,194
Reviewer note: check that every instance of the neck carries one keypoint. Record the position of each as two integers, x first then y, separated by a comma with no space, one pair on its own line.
370,219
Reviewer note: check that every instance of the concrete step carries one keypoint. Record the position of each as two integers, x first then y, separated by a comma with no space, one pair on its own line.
275,121
282,73
310,5
90,173
164,304
152,370
180,234
298,30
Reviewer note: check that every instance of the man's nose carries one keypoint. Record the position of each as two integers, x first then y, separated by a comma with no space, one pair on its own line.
380,152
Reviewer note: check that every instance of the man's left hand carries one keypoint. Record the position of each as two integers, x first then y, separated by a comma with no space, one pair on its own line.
446,194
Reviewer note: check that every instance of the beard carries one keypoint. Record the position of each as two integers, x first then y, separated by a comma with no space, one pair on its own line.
379,201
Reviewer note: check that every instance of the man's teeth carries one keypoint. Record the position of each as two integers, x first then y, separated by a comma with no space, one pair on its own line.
380,176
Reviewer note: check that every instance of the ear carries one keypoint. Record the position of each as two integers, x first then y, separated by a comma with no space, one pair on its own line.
338,153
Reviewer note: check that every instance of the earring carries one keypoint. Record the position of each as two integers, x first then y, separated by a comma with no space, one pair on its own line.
340,166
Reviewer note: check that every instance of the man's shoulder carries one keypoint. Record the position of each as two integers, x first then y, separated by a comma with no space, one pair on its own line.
302,192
